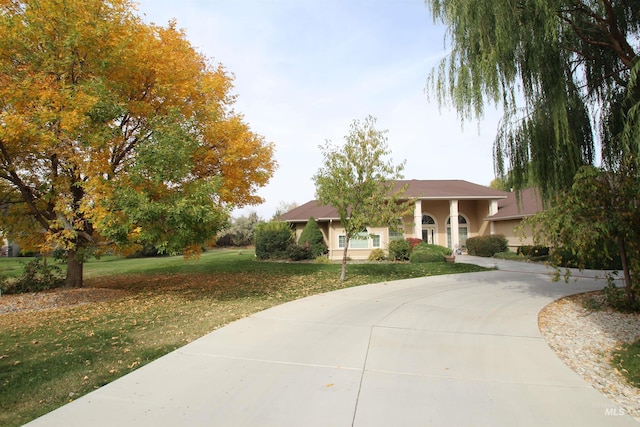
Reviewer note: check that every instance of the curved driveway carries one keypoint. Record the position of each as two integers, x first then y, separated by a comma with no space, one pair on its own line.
460,350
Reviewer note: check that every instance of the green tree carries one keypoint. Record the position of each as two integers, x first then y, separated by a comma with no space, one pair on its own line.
240,231
115,133
565,74
312,238
586,219
357,180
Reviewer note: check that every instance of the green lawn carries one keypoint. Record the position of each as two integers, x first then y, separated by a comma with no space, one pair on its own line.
627,360
48,358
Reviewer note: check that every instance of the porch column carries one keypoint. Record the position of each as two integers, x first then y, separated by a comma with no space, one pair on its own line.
493,209
417,220
455,234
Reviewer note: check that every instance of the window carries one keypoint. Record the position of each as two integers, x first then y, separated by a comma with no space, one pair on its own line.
428,219
360,241
396,232
463,231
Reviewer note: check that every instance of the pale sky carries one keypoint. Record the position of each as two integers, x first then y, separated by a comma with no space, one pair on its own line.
305,69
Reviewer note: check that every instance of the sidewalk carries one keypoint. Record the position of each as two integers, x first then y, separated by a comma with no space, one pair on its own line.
460,350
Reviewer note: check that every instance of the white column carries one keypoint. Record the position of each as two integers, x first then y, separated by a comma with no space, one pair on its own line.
417,220
493,209
455,235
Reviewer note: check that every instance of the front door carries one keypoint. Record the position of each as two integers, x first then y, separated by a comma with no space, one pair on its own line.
429,235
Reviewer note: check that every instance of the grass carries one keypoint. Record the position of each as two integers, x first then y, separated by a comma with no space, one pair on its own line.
48,358
627,360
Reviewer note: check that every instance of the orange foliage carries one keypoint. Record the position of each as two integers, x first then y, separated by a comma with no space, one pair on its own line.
84,86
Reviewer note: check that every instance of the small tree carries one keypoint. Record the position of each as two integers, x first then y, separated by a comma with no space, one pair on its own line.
357,181
312,238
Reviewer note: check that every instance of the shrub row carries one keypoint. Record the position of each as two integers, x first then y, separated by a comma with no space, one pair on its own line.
487,246
276,240
410,250
424,252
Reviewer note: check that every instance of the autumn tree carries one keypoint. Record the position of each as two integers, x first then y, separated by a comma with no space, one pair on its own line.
116,133
565,74
358,180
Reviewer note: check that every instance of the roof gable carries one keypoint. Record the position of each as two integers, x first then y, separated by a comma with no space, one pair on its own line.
530,204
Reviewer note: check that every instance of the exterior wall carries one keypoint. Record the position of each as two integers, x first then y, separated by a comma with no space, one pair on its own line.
507,228
335,252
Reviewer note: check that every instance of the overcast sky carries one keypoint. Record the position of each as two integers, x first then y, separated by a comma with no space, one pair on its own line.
305,69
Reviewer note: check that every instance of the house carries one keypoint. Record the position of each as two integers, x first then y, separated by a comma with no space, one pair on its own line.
445,212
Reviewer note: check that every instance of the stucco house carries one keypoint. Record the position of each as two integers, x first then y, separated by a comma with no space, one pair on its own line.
445,212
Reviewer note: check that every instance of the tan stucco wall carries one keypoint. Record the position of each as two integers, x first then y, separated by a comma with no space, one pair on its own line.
507,228
335,253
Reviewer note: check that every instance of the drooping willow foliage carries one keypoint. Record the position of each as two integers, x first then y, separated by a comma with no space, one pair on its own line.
565,73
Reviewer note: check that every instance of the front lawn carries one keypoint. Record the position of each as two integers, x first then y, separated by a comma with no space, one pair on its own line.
626,359
50,357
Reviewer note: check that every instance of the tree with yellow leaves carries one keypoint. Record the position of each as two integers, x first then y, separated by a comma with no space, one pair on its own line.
116,133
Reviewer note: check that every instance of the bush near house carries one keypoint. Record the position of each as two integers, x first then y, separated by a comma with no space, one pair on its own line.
377,255
487,246
273,240
312,239
399,250
413,242
425,252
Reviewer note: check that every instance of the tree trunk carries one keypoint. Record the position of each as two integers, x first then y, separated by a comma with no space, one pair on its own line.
343,274
75,267
631,295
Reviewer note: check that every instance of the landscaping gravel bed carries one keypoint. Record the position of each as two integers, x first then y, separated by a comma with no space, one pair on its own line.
585,340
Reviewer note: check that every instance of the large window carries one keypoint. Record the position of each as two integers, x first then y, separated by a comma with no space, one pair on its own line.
360,241
463,231
397,231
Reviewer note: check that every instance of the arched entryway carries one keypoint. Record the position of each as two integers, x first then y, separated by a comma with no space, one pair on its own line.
429,228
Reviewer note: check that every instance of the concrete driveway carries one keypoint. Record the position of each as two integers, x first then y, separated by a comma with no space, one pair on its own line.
461,350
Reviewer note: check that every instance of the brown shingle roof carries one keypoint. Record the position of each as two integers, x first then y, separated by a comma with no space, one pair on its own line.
449,189
310,209
509,208
421,189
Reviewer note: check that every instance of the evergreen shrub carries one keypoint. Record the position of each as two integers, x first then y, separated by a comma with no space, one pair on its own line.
312,238
399,250
425,252
273,239
377,255
487,246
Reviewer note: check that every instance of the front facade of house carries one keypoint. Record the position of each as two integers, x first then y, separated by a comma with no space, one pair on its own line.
445,212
